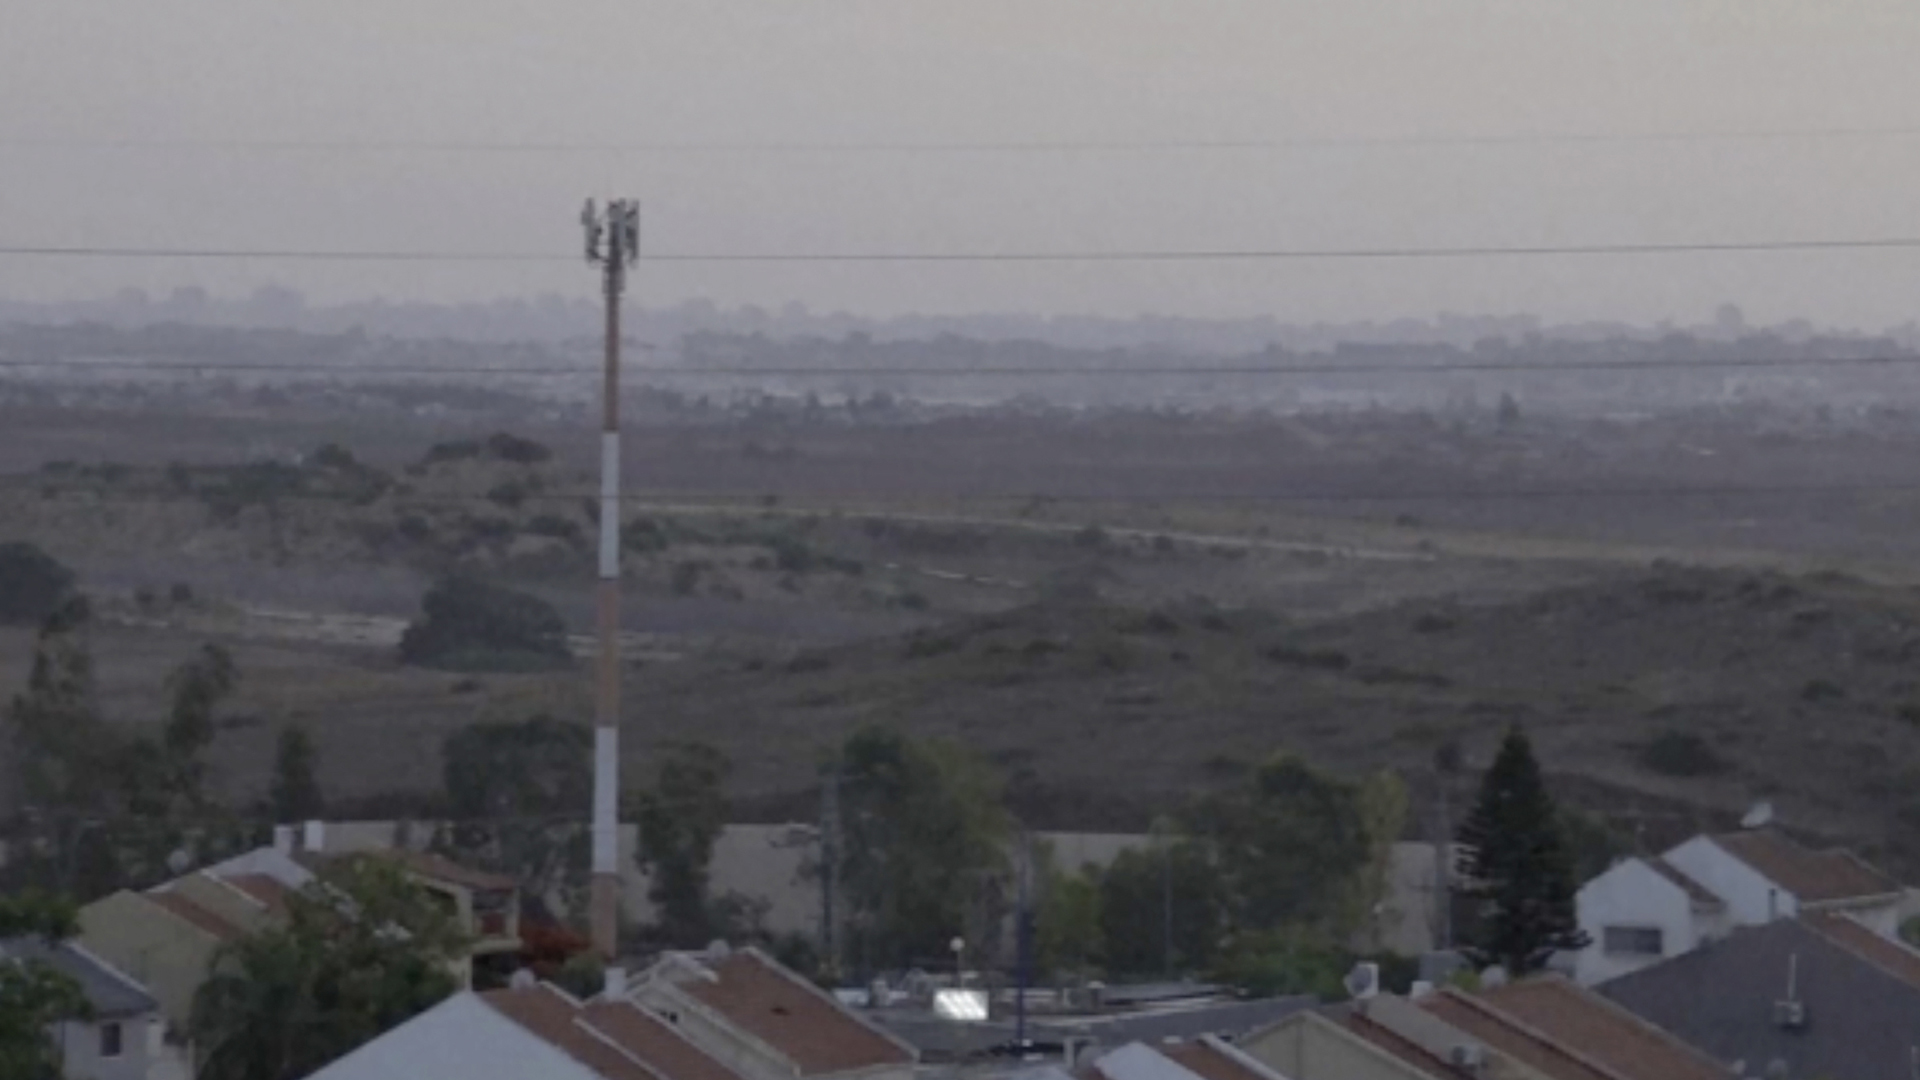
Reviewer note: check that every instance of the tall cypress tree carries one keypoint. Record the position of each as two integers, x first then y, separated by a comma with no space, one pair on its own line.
1515,862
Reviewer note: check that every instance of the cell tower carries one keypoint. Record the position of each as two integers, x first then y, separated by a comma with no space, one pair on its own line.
613,244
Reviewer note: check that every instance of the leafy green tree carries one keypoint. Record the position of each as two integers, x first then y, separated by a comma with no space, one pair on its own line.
1515,863
105,809
1146,892
1383,814
60,745
680,819
469,625
33,996
1293,844
33,584
362,951
923,845
519,792
1067,923
295,792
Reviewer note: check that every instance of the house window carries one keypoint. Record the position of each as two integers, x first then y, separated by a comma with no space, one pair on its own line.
110,1035
1633,941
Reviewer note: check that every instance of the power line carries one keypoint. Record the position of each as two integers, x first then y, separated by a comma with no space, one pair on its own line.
1704,247
913,147
873,503
1613,364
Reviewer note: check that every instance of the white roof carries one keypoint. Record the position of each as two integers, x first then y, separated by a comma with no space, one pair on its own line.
1136,1062
267,862
459,1039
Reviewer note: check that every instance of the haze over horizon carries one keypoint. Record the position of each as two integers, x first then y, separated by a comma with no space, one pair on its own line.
767,128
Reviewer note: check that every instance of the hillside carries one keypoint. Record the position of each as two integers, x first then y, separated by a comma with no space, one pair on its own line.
1657,698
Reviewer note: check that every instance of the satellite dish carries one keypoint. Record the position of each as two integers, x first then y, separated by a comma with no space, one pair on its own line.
1363,981
1759,817
522,980
1494,976
179,861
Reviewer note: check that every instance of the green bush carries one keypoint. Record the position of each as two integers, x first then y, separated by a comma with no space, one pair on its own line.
1681,753
1320,659
32,583
469,625
558,527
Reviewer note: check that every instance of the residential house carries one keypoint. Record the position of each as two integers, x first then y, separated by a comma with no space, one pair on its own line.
734,1017
166,937
485,907
1346,1045
1563,1032
1206,1058
1822,995
534,1032
1643,911
121,1040
765,1022
163,939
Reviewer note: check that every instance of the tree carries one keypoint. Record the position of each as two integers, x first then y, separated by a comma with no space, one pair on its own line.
33,584
106,809
1293,845
1515,863
362,950
1067,941
922,847
1152,898
680,819
469,625
295,793
519,792
33,996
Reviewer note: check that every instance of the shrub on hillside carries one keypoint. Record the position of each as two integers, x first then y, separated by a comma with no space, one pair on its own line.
469,625
1681,753
32,583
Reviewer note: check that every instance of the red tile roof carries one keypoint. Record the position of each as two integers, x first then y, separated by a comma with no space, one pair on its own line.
812,1030
1696,892
555,1019
1814,877
655,1042
267,891
1602,1031
1893,957
194,915
1516,1041
429,865
1401,1048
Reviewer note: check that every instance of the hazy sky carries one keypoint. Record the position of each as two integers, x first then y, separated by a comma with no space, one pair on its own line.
189,79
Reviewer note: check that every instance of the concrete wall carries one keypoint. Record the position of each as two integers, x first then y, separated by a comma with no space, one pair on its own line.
1307,1047
1631,894
769,863
80,1049
162,953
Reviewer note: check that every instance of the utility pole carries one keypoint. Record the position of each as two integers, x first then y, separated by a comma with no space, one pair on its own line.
1023,940
829,865
613,244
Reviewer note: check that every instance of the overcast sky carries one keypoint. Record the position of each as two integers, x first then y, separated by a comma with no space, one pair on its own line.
193,81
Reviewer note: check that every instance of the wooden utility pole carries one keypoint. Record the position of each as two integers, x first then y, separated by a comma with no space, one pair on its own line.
613,243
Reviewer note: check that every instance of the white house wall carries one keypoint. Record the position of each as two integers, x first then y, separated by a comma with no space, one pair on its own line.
1743,888
1631,894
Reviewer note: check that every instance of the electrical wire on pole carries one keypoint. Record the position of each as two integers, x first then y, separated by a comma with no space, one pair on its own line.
613,244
